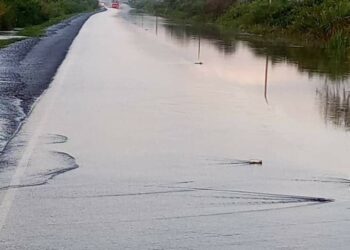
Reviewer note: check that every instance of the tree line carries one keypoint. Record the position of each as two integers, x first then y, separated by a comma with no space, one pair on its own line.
23,13
324,20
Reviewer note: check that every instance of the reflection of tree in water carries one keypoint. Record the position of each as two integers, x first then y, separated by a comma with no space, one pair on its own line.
313,61
185,33
334,96
334,101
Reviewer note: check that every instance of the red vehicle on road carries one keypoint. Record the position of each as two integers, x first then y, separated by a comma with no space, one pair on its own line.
116,5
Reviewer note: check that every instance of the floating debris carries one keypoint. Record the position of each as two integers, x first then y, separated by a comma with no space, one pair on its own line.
255,162
239,162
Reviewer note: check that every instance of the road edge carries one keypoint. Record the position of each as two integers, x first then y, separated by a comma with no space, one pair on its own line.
29,67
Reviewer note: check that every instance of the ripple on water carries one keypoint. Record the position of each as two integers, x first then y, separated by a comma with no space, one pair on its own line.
11,114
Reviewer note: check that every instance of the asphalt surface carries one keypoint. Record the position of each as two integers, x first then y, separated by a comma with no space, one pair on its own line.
134,146
26,70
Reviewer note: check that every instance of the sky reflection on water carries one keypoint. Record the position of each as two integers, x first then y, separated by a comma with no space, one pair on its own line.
311,84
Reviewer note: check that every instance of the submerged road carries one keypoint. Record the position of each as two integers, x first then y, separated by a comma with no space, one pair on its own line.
134,146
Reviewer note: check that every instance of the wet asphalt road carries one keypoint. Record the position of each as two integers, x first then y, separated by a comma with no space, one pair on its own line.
128,149
26,70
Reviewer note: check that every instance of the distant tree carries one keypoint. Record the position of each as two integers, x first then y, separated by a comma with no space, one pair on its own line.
217,7
21,13
3,9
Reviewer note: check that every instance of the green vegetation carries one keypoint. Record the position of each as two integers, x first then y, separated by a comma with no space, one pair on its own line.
332,64
24,13
34,16
324,21
179,9
39,30
4,43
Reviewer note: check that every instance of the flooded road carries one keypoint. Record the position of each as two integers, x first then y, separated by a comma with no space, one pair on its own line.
136,145
307,90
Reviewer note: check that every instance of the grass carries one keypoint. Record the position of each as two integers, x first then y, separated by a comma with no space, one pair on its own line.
7,42
33,31
39,30
321,23
325,21
35,16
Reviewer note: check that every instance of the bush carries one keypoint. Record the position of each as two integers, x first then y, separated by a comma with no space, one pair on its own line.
3,13
189,9
321,19
215,8
21,13
277,14
325,20
28,12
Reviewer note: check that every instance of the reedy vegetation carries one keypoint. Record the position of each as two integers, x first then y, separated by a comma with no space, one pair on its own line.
327,21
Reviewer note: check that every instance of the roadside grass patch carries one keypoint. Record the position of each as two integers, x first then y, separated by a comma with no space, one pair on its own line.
7,42
39,30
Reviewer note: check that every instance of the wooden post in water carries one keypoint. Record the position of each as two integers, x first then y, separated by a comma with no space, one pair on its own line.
266,78
199,51
157,25
199,48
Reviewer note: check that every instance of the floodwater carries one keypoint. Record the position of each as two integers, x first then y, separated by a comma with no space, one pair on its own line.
144,138
278,69
5,35
308,88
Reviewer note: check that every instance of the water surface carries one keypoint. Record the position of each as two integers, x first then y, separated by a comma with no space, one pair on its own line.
309,84
162,145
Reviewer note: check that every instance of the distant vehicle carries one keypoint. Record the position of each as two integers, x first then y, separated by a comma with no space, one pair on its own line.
116,5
